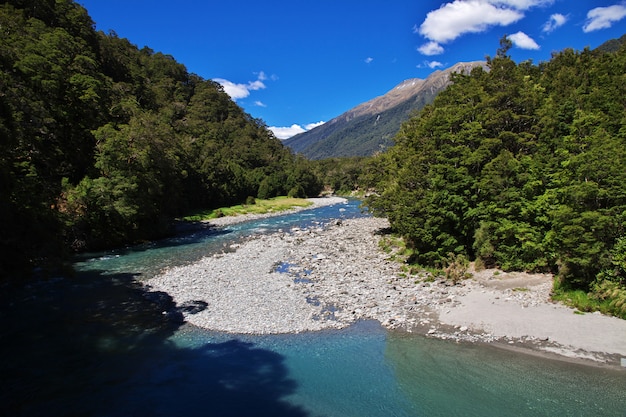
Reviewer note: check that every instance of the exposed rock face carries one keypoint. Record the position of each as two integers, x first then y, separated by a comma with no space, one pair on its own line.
409,89
371,126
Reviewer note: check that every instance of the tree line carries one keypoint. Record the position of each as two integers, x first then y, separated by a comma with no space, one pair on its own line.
518,166
103,143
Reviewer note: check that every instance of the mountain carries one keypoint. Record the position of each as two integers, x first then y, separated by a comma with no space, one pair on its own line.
612,45
370,127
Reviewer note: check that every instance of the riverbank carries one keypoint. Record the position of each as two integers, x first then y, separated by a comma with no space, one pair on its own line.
332,275
315,202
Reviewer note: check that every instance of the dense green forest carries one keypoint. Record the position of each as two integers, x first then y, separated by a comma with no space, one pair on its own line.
341,175
519,166
102,143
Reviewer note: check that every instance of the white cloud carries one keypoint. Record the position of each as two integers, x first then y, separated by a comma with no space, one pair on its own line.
294,129
237,91
454,19
256,85
459,17
556,20
287,132
522,40
430,48
431,64
604,17
369,60
521,4
259,104
313,125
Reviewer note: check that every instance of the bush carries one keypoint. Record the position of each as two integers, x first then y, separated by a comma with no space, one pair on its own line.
612,296
297,192
456,269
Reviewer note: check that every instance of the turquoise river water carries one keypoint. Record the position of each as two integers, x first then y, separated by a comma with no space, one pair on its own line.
99,343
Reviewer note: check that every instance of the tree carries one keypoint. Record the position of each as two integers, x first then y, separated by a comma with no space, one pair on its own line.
104,143
521,167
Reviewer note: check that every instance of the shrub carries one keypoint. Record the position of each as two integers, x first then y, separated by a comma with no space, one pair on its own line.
297,192
456,269
612,296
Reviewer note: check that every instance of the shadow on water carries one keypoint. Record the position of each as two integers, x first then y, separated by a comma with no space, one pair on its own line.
99,345
191,233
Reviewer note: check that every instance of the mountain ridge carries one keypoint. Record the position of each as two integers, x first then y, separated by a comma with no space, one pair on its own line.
370,126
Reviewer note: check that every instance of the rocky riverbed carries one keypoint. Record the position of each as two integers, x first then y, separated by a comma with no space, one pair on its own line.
332,275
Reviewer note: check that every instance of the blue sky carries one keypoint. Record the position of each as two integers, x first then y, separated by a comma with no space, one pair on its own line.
299,63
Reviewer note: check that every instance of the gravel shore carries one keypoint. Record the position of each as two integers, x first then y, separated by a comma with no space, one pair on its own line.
315,202
329,277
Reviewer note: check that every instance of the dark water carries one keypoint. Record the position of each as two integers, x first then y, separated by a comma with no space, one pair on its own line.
101,344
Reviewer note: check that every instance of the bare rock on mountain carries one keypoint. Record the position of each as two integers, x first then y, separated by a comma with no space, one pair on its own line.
370,127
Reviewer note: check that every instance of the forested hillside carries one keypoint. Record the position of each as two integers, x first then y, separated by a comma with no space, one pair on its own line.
102,143
520,166
369,128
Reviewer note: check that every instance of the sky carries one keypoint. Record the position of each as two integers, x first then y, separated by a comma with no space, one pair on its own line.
296,64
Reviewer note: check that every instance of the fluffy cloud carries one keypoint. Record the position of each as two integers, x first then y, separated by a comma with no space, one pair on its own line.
454,19
430,64
522,40
294,129
556,20
431,48
459,17
238,91
604,17
368,60
313,125
287,132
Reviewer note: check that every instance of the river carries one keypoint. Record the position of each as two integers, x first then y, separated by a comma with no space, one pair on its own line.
99,343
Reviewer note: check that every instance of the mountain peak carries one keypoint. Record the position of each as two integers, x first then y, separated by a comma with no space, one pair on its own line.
371,126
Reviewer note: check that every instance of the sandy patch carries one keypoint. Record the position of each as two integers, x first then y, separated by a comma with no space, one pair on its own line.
518,306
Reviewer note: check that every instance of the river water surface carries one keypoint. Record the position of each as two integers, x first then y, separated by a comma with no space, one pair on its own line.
100,344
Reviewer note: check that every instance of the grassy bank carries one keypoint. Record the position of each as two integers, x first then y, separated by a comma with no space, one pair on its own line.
607,298
255,206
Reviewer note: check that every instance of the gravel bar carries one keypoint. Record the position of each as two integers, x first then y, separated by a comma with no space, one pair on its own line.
330,276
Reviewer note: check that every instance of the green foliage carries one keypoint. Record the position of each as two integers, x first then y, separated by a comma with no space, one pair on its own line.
612,296
456,268
361,133
605,296
341,175
102,143
276,204
297,192
521,167
616,271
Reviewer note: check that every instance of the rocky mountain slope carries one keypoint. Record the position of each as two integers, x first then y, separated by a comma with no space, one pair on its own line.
370,127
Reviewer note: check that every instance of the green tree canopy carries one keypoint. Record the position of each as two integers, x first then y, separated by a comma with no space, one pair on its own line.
102,143
518,166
